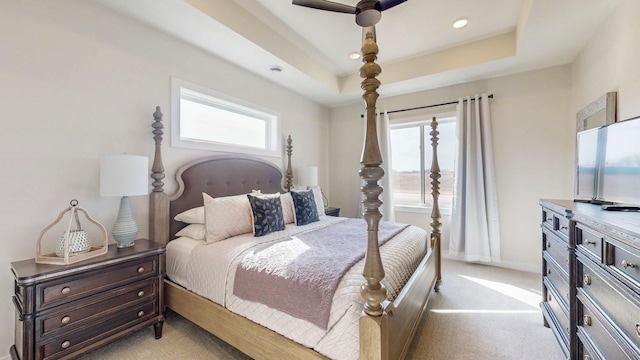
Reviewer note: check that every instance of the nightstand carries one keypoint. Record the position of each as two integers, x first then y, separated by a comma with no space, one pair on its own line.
332,211
63,311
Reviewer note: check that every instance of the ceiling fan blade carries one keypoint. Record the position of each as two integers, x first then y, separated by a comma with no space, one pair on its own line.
388,4
326,5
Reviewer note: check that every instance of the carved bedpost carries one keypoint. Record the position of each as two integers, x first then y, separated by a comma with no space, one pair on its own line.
289,176
373,292
435,213
158,200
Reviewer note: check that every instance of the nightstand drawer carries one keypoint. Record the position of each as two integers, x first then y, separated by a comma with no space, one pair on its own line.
69,343
52,294
79,313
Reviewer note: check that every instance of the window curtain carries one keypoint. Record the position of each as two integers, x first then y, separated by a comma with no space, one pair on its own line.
475,235
384,141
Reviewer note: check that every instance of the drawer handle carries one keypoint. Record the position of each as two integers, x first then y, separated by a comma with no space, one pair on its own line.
65,290
140,313
65,320
626,265
549,219
65,344
548,271
140,269
587,280
550,297
638,329
586,357
586,320
548,244
563,227
589,242
141,293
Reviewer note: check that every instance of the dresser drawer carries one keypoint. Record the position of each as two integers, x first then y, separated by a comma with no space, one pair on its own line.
619,303
559,312
557,223
622,260
591,323
590,242
88,310
586,349
556,249
55,293
72,342
556,278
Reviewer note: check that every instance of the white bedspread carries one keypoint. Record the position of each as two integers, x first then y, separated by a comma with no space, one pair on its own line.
209,271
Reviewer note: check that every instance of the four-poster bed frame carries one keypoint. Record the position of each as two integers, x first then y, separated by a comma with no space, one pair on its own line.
386,328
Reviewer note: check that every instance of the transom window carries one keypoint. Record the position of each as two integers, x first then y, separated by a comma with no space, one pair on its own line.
207,120
411,157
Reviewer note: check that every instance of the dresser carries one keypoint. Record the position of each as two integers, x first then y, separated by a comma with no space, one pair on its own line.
65,311
591,279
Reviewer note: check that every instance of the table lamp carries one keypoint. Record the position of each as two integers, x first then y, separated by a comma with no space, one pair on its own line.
124,175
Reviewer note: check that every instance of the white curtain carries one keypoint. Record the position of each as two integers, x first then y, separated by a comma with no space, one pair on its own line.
384,139
475,234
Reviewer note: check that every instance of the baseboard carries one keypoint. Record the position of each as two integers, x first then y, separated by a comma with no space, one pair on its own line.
6,357
513,265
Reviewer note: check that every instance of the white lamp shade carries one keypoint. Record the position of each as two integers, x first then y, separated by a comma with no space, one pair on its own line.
308,176
124,175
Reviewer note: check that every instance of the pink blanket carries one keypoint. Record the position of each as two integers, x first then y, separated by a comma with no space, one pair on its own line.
299,275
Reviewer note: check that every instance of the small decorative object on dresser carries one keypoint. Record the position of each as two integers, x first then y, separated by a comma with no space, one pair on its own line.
73,245
591,279
332,211
63,312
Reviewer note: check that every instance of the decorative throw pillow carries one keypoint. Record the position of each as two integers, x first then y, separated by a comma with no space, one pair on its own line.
317,196
192,216
305,207
288,212
226,216
267,214
194,231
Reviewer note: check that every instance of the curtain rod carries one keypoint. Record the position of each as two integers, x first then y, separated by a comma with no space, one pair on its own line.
427,106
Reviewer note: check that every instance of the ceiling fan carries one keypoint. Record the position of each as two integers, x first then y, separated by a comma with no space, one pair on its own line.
368,12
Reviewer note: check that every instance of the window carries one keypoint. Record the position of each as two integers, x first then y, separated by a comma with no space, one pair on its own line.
411,161
207,120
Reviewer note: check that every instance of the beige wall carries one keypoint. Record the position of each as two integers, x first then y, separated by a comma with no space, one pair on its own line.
609,62
78,81
531,124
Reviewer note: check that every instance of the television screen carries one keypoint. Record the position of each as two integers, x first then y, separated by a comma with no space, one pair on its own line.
608,163
586,165
621,174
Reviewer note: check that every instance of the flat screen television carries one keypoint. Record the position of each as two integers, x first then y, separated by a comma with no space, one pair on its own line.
608,164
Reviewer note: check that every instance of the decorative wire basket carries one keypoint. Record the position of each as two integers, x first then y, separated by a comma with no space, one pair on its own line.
74,245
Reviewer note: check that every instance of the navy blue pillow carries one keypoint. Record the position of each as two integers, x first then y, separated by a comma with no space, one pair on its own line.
267,214
305,207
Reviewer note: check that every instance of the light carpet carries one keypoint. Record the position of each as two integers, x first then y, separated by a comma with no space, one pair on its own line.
481,312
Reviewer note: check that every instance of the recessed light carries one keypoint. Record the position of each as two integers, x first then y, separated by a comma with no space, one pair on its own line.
460,23
354,56
275,69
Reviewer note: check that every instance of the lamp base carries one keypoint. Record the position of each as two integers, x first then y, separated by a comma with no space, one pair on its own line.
125,229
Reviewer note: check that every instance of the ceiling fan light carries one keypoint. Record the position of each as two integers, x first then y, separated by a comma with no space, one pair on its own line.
460,23
368,17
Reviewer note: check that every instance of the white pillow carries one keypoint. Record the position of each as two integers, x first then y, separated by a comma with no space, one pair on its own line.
192,216
194,231
226,217
317,196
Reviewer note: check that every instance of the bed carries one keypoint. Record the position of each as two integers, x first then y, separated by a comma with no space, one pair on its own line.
211,282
